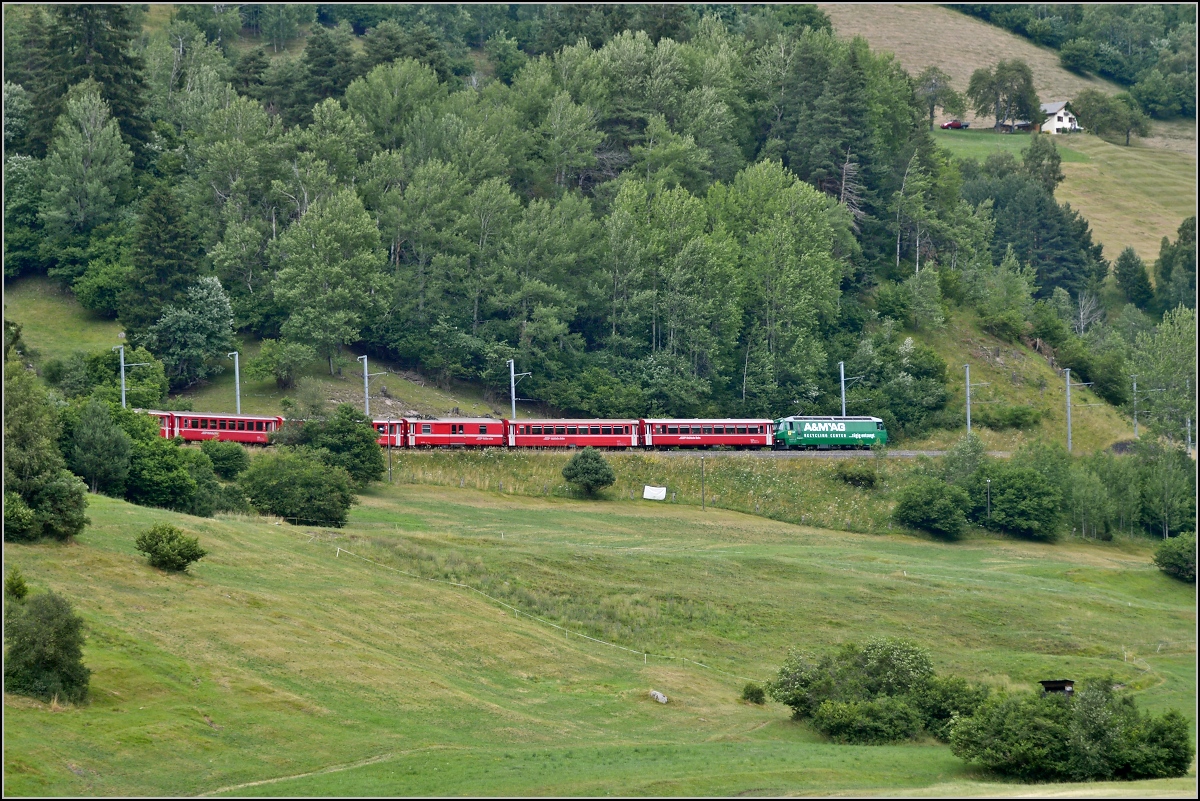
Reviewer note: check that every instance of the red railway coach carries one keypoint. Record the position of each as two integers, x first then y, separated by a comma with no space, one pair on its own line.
195,426
166,422
707,433
463,432
391,432
573,433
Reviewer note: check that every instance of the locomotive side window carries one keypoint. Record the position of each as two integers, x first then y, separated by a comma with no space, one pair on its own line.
879,426
606,429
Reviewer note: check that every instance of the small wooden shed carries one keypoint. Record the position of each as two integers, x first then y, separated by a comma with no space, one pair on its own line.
1065,686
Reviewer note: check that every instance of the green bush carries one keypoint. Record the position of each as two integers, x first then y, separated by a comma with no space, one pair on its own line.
589,471
168,548
228,459
347,440
1005,325
883,666
1177,557
928,504
15,586
45,650
1094,736
230,498
1024,503
884,720
295,485
943,698
754,693
999,417
856,473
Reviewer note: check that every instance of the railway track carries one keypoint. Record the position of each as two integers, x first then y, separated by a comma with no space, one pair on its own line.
831,454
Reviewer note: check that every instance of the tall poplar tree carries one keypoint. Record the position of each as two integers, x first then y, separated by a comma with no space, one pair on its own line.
329,267
85,168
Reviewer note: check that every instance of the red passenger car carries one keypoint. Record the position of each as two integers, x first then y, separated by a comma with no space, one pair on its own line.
393,437
455,433
572,433
195,426
166,422
707,433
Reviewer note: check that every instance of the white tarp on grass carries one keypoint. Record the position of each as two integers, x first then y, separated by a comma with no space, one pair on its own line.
654,493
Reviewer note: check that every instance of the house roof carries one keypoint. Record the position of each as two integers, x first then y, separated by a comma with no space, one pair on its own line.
1054,108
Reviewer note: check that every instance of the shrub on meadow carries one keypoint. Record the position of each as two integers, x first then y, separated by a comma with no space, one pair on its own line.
168,548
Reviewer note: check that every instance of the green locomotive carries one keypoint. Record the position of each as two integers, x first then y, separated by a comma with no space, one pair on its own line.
803,433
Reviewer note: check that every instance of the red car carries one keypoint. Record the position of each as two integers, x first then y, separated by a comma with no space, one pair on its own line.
707,433
573,433
455,432
955,124
195,426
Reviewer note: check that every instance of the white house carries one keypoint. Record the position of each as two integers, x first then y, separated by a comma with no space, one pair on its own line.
1058,119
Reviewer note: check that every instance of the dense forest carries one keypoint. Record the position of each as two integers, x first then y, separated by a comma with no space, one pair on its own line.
656,209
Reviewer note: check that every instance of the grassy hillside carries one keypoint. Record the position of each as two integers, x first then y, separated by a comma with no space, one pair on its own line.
278,658
1018,376
1131,196
921,35
54,326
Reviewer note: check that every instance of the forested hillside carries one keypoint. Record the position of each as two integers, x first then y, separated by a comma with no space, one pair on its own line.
653,209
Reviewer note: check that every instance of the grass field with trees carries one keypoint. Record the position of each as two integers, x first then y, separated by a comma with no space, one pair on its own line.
657,210
208,680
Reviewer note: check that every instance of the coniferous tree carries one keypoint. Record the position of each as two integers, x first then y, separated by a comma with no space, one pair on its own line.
1176,269
1131,277
93,41
327,65
250,72
100,450
165,260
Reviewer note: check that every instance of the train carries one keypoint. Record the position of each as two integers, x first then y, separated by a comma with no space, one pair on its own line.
788,433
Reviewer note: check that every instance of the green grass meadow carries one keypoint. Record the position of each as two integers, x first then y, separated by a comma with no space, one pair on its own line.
279,666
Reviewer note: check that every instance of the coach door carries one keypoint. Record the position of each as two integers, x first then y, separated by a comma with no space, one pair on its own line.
458,433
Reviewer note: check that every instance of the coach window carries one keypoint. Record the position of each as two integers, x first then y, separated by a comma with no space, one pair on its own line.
221,424
483,429
741,429
270,426
672,430
571,430
606,429
258,426
560,429
708,429
425,429
718,429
